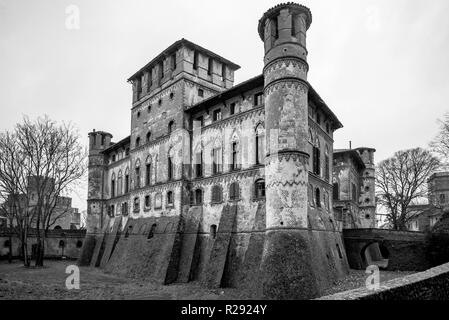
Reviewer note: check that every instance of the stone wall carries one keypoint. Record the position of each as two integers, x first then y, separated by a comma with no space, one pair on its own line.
58,244
432,284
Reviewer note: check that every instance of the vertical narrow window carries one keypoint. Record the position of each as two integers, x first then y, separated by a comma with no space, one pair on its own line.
136,204
318,197
198,196
232,109
120,183
217,194
326,165
195,60
137,142
171,127
147,202
150,79
170,198
442,198
170,167
294,25
113,186
276,28
216,161
148,136
148,174
234,191
137,184
354,193
173,61
126,183
210,66
160,73
199,164
152,230
260,145
234,156
223,71
200,93
316,161
260,189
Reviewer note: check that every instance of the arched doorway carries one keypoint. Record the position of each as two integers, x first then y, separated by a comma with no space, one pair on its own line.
375,253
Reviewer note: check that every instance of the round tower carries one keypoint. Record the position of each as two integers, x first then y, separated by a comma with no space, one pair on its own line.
286,262
98,141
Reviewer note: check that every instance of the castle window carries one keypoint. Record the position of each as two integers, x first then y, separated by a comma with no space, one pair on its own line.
234,156
200,93
126,181
172,95
120,183
258,99
442,198
151,233
210,66
148,174
260,145
138,115
223,71
113,158
195,60
316,161
170,168
136,204
199,121
217,194
173,61
232,109
276,28
127,152
150,79
213,231
103,140
198,196
171,127
159,102
124,209
79,244
294,19
366,188
318,197
328,128
318,118
113,186
137,142
160,73
216,161
149,109
147,201
148,136
260,189
217,115
137,176
234,191
170,198
199,164
326,165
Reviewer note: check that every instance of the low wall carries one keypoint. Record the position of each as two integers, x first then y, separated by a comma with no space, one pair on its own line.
432,284
58,244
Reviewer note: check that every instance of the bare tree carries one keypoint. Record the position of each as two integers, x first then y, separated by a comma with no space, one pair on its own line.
54,161
440,144
401,181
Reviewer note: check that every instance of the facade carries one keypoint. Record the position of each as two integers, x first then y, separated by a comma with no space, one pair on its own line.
249,166
353,181
424,217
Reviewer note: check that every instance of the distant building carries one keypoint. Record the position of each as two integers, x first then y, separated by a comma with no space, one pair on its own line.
64,216
424,217
354,188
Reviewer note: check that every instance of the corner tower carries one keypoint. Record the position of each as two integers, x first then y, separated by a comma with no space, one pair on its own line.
286,262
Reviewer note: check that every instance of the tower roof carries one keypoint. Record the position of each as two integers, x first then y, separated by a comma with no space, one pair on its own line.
271,13
187,43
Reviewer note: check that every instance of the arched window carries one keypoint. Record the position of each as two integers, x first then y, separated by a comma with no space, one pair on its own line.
198,196
148,136
147,202
260,144
336,191
217,159
169,198
127,180
79,244
124,209
213,231
199,163
113,186
316,158
152,230
260,189
58,228
235,161
171,127
136,204
170,166
148,171
326,164
234,191
120,183
137,176
217,194
318,197
137,142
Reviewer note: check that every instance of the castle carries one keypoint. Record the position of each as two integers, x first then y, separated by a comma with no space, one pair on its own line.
230,185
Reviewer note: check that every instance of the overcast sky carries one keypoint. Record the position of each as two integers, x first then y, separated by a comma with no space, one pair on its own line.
382,66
